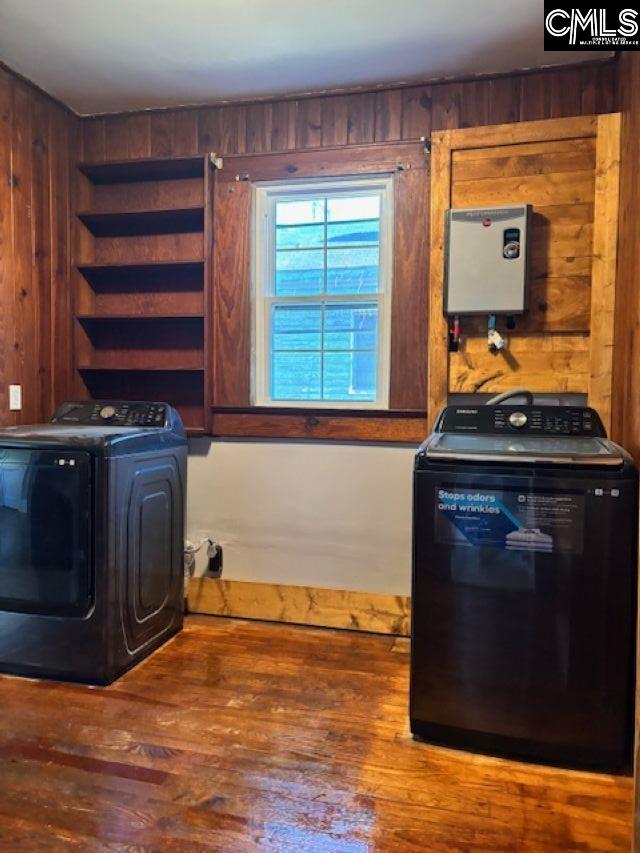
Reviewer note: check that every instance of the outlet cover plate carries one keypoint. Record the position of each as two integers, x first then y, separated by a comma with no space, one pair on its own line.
15,398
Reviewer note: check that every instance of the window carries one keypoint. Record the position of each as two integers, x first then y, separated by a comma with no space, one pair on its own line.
322,284
376,396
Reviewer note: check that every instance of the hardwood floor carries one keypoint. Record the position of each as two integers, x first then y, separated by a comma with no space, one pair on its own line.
250,736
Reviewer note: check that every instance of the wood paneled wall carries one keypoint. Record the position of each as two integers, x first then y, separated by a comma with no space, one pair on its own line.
383,116
38,140
327,122
556,176
626,368
626,403
568,170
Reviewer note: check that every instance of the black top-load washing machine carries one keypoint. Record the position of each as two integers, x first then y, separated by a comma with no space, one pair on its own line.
524,586
91,539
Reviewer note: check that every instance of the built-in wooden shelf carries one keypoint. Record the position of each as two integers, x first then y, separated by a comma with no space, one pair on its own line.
141,328
174,368
144,318
131,171
141,343
141,304
150,289
149,269
184,389
135,223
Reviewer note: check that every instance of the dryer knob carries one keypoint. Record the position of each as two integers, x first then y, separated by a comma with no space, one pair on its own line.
517,419
107,412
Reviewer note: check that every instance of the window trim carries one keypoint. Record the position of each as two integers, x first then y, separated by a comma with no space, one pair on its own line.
264,196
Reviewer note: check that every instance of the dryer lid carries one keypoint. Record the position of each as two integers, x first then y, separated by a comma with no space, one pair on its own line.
58,434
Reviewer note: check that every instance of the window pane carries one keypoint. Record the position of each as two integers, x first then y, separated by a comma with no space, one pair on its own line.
346,208
299,273
352,270
299,236
323,339
350,327
355,233
350,376
296,376
296,327
300,212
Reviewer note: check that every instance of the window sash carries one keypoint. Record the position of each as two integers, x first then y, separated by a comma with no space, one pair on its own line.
263,279
269,302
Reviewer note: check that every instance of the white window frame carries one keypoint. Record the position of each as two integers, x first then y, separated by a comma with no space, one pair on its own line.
265,195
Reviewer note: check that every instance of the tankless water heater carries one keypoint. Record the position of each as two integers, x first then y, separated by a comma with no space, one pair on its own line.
486,260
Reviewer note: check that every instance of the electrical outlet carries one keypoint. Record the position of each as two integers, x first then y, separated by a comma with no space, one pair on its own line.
214,566
15,398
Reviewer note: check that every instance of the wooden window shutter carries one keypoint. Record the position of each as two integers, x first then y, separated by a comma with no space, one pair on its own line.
408,379
231,298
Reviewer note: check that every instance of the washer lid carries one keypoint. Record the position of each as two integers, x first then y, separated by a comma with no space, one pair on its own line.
530,449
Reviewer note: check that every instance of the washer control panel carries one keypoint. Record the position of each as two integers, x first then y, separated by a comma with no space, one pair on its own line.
529,420
113,413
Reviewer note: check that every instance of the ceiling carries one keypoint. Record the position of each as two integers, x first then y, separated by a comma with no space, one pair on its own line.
112,55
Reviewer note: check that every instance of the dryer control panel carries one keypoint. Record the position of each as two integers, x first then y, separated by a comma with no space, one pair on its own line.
525,420
113,412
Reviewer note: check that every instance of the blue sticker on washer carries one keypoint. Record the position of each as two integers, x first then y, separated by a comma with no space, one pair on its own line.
510,520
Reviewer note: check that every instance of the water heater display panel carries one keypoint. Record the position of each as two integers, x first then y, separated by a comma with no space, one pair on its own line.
486,260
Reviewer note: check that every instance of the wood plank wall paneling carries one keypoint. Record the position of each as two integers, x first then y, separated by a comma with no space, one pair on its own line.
302,605
38,140
568,170
324,121
261,423
626,390
312,124
558,178
626,365
603,280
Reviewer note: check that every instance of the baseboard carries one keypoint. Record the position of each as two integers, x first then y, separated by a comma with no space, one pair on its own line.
303,605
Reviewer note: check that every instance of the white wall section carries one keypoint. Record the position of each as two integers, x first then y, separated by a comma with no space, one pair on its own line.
314,514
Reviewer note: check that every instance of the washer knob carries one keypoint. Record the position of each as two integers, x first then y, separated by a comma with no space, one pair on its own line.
107,412
517,419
